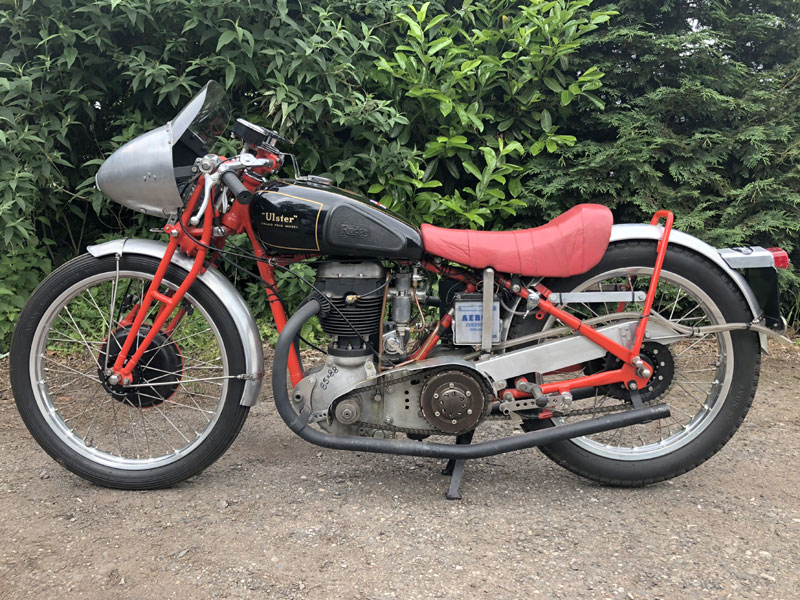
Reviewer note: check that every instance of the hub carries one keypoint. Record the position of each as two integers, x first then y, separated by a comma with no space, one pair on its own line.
161,368
659,360
452,401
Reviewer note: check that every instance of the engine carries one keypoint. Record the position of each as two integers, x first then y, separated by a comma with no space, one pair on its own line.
345,394
352,305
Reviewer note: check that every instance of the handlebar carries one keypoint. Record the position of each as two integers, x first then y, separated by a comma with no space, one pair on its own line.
215,170
237,188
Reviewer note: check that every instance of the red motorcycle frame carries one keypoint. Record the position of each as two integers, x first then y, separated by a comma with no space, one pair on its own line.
197,242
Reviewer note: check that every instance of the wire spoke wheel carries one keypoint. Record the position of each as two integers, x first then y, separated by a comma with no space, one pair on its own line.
707,381
692,375
172,420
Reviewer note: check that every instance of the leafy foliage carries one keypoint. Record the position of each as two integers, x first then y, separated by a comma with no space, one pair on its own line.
702,118
20,269
472,113
434,106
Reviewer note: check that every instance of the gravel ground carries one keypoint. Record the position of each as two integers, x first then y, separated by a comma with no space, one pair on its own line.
279,518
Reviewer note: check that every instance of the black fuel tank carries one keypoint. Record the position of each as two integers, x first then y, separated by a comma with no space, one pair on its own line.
315,217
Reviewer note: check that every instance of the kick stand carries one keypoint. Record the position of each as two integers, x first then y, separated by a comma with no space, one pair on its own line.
455,468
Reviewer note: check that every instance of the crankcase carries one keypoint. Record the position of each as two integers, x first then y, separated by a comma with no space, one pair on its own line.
390,399
328,381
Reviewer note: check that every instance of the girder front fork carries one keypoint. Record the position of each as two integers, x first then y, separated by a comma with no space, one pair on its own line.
121,372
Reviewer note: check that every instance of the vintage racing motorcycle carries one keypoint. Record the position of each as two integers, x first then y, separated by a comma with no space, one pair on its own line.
628,354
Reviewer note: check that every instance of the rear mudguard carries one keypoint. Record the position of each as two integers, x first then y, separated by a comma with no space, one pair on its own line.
220,287
620,233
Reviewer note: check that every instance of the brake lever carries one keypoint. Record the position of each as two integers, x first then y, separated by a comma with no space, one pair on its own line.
215,169
209,181
244,161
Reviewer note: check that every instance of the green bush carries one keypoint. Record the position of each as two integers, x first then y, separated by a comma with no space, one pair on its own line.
434,108
702,118
472,113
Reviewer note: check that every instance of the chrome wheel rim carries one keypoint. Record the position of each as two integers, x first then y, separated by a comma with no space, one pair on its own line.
65,358
702,378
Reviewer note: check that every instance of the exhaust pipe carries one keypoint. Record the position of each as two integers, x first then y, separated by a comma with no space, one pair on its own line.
298,422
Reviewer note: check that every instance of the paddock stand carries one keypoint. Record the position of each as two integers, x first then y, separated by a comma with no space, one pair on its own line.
455,468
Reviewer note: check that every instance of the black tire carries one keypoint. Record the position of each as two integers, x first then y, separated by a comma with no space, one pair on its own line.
117,459
729,408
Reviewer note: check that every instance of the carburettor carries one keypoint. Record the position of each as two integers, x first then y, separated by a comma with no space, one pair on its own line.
408,289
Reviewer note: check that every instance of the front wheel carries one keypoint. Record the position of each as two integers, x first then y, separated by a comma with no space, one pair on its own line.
181,413
708,382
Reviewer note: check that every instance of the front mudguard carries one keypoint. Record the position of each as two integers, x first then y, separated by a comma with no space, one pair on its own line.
220,287
626,232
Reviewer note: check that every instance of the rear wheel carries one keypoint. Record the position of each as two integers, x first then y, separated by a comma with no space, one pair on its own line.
707,381
182,411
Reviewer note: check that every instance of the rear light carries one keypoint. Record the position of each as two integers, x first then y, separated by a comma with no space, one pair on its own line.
781,257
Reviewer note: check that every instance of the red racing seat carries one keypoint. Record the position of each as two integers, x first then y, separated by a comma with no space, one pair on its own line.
570,244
